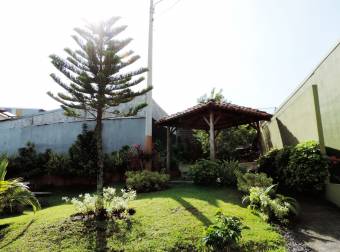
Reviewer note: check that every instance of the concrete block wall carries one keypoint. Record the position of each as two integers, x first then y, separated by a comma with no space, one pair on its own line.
298,119
53,130
60,136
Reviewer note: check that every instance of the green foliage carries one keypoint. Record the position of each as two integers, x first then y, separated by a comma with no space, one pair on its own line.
307,168
28,163
121,159
58,164
229,169
228,141
146,181
224,234
216,96
267,163
205,172
208,172
186,150
272,206
13,192
300,169
83,154
81,160
95,72
248,180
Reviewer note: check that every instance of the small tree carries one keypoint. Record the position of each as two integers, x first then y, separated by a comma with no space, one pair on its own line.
98,81
216,96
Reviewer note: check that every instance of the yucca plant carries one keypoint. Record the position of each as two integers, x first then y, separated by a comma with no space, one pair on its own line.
13,192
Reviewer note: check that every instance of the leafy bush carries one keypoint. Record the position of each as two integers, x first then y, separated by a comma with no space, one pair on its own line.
228,142
81,161
56,164
208,172
13,193
83,154
272,206
28,163
205,172
248,180
301,168
114,205
228,172
224,234
146,181
266,163
120,159
307,168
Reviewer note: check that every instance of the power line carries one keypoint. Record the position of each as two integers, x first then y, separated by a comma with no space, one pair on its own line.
157,2
168,9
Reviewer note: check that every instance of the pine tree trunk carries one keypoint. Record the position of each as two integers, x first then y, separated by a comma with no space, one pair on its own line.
100,163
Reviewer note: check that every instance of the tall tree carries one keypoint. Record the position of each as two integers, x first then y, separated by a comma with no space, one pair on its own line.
214,95
98,80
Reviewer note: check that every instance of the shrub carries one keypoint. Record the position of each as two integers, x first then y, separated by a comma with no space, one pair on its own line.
301,168
224,234
146,181
266,163
83,154
248,180
28,163
205,172
228,172
272,206
56,164
120,159
307,169
114,205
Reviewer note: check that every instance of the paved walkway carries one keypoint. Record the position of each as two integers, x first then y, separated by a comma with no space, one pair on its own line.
319,225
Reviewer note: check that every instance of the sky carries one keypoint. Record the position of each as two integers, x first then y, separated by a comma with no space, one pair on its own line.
257,51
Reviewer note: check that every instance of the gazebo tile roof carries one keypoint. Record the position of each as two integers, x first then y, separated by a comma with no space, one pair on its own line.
233,115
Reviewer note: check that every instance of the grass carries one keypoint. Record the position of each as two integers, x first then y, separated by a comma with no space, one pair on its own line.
170,220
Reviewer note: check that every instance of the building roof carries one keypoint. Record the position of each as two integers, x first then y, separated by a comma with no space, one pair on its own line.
226,115
5,115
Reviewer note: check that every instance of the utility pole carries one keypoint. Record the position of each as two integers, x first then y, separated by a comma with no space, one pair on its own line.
148,115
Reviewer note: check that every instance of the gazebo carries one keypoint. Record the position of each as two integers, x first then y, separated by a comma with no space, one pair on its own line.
212,116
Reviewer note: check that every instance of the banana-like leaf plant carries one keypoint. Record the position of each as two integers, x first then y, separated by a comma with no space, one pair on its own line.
14,191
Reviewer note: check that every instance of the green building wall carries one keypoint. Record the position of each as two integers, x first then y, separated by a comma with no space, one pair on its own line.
312,112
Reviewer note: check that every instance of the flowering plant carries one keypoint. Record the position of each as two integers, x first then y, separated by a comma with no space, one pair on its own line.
115,205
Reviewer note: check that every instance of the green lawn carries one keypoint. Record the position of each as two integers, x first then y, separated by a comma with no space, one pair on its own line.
171,220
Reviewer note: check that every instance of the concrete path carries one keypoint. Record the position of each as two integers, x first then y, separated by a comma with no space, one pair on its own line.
319,225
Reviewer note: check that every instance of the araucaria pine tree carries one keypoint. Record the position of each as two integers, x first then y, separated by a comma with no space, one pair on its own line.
97,80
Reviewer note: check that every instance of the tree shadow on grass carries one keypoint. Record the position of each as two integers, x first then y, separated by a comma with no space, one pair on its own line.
211,195
95,234
194,211
18,235
4,230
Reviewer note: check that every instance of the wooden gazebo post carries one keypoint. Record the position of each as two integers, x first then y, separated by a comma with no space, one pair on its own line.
211,123
169,131
212,136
